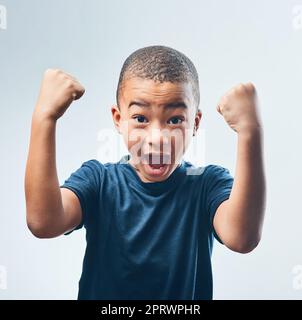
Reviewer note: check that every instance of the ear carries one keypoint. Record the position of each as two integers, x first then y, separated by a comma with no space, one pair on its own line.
116,117
197,120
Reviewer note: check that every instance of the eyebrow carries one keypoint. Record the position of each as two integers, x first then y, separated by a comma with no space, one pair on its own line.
171,105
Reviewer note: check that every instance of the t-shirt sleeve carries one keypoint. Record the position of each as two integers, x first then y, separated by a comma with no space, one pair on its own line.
218,189
84,182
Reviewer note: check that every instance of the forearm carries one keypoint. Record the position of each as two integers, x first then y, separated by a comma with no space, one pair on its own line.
246,205
42,191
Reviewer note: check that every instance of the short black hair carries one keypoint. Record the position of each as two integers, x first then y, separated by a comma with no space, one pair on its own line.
160,63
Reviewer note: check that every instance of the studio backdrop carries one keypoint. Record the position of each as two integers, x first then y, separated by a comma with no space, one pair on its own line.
230,42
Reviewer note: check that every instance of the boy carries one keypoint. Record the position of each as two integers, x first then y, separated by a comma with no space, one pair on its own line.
151,217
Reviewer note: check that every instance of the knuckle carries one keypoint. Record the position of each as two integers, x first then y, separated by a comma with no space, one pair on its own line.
240,87
250,86
49,72
57,71
52,72
69,83
64,77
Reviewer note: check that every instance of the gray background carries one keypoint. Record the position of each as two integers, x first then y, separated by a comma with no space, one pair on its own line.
229,42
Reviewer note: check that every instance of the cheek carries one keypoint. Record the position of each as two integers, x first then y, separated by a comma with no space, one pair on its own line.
180,139
188,139
133,137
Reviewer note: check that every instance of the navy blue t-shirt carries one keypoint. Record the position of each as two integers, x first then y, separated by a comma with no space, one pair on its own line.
148,240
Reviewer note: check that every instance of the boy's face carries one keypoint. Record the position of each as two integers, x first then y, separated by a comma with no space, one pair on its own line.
157,121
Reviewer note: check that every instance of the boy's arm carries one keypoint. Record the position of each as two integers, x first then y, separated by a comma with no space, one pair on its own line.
50,211
238,220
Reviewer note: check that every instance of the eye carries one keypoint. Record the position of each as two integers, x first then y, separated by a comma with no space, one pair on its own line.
176,120
140,118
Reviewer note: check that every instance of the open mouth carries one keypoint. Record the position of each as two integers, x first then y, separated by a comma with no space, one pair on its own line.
156,164
156,170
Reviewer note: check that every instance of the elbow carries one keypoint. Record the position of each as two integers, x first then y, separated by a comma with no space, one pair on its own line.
247,248
40,226
39,231
244,246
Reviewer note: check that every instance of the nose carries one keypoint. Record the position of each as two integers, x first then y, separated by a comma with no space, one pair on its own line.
157,140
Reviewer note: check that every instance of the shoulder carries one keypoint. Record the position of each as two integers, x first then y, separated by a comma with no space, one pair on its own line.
99,168
91,170
216,175
205,171
93,164
208,177
216,169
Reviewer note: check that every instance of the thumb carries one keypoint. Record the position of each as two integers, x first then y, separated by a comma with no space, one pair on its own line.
218,109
